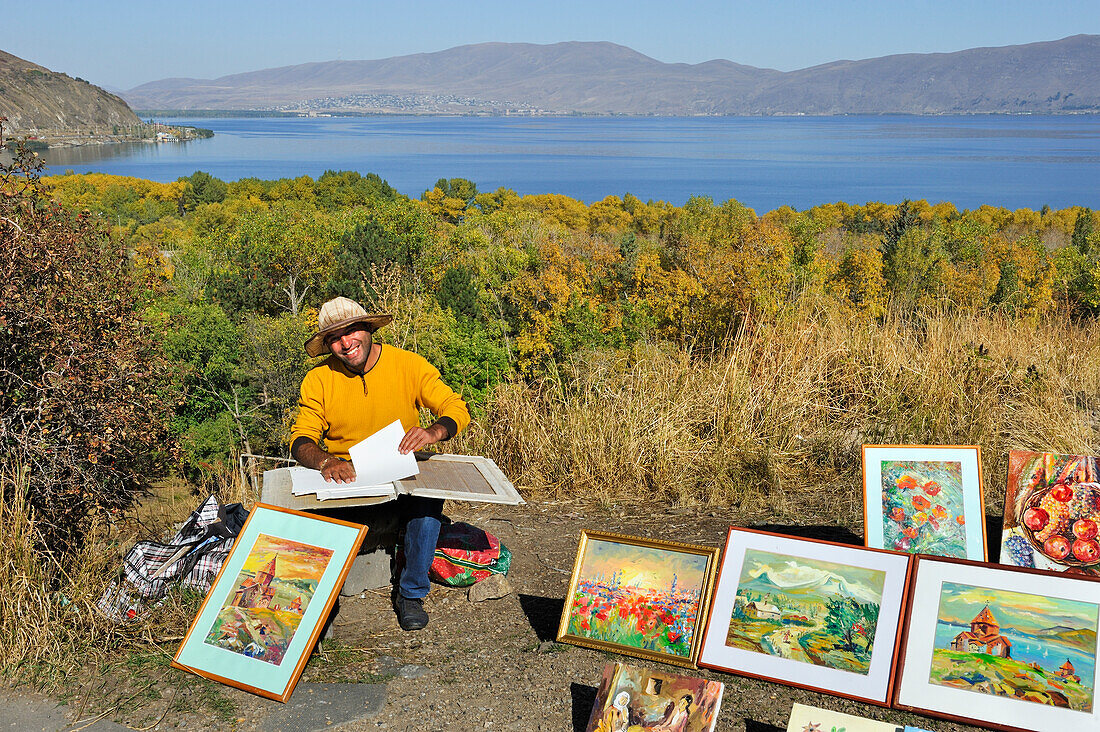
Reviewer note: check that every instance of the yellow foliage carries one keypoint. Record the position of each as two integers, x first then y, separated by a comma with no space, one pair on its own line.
446,208
86,190
608,218
553,209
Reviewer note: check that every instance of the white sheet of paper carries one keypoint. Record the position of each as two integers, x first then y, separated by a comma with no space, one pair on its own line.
337,490
304,481
377,460
377,464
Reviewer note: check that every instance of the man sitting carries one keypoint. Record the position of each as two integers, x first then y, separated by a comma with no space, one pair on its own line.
359,389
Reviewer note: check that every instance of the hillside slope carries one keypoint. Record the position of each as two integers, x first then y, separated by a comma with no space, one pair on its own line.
35,99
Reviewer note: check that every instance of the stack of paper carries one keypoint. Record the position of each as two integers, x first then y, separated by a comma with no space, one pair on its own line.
377,465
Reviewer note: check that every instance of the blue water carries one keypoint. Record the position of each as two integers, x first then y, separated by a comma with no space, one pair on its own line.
764,162
1028,650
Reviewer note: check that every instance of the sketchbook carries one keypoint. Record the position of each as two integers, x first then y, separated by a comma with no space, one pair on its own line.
377,461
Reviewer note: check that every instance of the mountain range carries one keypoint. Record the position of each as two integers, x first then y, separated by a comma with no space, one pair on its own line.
605,78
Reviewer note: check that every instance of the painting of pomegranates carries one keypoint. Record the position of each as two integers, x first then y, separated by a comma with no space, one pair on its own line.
1052,512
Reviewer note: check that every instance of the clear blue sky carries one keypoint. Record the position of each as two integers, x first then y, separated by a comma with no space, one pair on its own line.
122,44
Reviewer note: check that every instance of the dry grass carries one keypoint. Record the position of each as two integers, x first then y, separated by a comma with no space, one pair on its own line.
50,632
776,421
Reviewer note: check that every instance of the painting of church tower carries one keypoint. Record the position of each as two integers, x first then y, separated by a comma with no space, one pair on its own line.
984,636
257,591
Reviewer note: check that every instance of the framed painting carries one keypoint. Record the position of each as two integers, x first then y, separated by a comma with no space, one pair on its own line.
640,597
264,614
807,613
1052,511
1013,649
925,500
641,698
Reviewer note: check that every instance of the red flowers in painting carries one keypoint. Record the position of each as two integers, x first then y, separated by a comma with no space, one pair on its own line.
907,483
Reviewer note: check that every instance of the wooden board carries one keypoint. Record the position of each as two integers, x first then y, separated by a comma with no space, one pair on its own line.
452,477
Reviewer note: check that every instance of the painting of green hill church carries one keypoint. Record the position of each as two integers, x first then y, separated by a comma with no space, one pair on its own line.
1033,648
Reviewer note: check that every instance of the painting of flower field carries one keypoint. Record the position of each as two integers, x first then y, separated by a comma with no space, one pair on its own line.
922,506
638,596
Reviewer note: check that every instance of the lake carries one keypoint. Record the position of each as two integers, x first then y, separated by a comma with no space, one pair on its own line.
764,162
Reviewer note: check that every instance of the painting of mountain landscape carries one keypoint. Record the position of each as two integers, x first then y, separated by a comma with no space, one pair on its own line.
271,593
1031,647
807,610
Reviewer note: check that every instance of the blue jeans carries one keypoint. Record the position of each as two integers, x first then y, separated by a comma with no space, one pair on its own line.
422,521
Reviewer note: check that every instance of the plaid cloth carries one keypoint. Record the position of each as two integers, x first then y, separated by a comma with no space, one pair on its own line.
192,558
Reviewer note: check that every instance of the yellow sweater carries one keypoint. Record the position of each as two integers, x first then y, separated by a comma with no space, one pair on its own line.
344,408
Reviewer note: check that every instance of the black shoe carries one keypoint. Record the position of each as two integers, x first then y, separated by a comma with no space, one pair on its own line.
410,613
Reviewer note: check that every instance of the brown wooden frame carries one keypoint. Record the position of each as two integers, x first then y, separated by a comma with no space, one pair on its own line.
904,645
902,604
705,594
218,595
981,487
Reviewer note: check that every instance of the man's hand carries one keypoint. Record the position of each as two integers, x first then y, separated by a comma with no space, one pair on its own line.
338,471
332,468
418,438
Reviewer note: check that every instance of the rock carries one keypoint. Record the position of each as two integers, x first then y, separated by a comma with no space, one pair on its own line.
493,587
411,671
318,706
368,572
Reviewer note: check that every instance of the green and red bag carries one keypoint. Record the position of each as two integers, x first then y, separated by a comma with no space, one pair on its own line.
465,555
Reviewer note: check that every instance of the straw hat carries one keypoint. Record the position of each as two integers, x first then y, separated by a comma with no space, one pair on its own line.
337,314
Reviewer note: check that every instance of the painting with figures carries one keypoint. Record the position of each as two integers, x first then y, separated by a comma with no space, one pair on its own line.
634,698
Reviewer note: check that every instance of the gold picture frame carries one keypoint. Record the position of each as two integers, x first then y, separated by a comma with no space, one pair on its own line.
640,597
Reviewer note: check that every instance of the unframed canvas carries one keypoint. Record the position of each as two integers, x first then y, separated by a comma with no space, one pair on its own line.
261,619
640,597
925,500
631,697
805,718
1004,648
1052,512
808,613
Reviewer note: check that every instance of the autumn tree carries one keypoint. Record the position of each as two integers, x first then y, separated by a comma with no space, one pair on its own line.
82,403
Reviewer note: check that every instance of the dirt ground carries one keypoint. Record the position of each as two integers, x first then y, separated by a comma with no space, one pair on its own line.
495,665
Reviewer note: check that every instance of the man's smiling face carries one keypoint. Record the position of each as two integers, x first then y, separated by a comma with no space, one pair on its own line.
351,345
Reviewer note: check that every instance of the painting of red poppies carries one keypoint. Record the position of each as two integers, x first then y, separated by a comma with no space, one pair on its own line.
641,597
924,500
